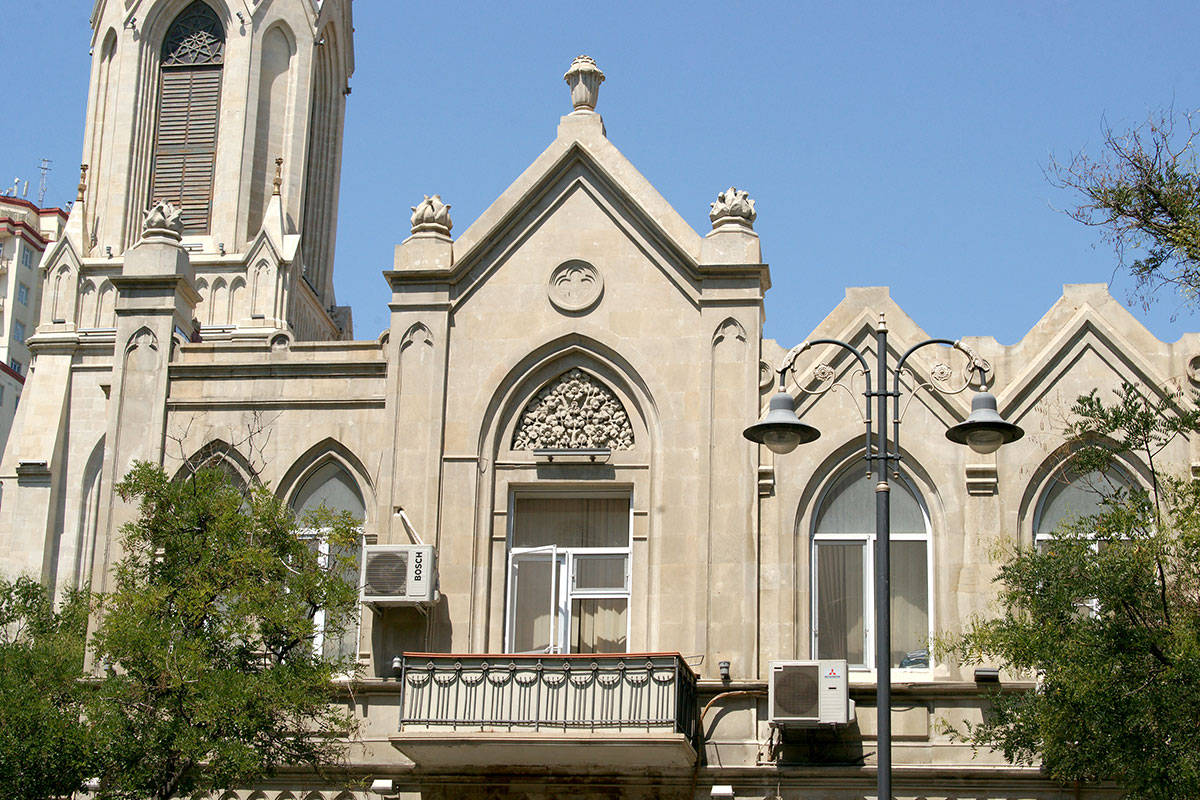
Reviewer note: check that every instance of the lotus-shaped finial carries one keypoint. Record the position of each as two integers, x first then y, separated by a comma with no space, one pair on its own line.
733,206
432,215
163,219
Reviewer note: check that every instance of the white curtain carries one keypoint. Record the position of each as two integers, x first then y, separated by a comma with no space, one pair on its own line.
910,601
598,625
571,522
840,601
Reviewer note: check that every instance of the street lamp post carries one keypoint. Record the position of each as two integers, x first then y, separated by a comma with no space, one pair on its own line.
984,431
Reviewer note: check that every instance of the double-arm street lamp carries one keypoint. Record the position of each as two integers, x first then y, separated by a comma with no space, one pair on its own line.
984,431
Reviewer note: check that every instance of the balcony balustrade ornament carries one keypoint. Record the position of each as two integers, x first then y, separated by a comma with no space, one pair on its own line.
733,207
584,78
431,215
576,412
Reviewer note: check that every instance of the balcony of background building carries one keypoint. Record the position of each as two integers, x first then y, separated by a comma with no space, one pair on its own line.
565,711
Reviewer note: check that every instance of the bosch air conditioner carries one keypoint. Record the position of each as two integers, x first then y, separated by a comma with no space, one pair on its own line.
399,575
809,693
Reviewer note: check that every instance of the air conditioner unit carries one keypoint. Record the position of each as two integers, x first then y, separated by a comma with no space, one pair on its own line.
810,693
399,575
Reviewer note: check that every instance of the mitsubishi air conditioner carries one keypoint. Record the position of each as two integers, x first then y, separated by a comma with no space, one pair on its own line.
399,575
809,693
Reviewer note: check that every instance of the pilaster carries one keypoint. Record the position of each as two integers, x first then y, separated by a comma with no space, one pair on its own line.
155,304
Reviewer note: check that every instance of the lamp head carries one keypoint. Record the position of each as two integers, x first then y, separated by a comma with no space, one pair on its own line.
985,430
781,430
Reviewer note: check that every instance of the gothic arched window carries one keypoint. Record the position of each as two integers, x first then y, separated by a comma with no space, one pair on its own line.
843,559
189,99
331,487
1070,496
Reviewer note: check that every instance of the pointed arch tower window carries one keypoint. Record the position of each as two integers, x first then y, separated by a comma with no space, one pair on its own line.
189,99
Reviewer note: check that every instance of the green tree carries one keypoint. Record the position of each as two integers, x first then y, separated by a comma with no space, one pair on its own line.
1107,616
208,644
44,750
1143,192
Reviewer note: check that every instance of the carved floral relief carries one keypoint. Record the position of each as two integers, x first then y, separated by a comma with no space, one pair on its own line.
575,412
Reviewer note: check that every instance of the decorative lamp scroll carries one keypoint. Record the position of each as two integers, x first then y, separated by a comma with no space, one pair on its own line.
575,412
584,78
431,215
733,206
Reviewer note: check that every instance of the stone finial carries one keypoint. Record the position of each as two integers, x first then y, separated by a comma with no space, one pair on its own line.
432,215
83,169
163,220
278,182
733,206
584,78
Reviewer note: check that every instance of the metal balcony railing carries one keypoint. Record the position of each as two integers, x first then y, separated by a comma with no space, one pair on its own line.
627,693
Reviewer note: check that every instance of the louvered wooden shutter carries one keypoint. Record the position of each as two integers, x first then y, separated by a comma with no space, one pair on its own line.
185,152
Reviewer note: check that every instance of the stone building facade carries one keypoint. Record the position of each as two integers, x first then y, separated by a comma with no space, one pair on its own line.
25,232
557,410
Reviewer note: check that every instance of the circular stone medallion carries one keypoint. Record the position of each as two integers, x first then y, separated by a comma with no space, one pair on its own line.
575,286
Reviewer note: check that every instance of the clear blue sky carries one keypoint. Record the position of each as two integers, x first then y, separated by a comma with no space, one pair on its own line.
896,144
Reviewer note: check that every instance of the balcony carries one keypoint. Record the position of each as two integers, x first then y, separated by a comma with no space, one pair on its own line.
571,712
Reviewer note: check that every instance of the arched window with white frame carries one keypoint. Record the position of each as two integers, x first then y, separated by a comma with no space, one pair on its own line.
331,487
1070,495
843,570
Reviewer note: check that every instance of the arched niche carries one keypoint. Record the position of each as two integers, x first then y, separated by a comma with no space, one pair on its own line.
272,121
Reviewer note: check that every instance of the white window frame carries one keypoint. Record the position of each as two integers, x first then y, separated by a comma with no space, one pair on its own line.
1041,540
26,256
1057,474
19,332
22,294
321,537
563,589
867,540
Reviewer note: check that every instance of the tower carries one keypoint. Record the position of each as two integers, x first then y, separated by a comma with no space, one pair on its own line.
206,211
233,112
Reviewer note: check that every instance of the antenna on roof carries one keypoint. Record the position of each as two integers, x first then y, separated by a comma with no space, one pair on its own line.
45,168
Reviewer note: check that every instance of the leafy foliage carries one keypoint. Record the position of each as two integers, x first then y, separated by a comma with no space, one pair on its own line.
1143,192
44,751
208,641
1107,616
